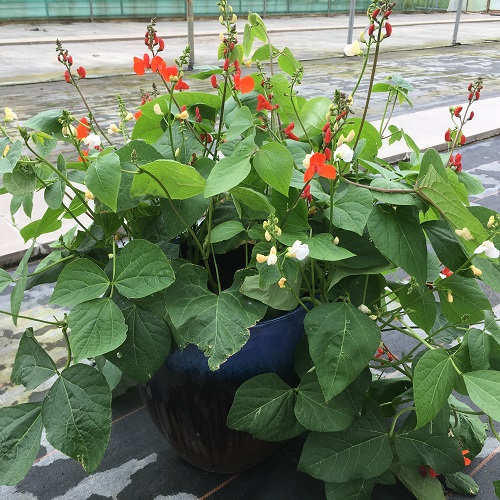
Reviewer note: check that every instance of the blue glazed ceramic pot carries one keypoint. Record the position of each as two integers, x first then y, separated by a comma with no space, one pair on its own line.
189,403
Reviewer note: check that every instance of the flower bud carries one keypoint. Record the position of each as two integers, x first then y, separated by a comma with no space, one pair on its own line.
281,282
88,195
221,19
157,110
67,76
81,72
234,18
364,309
336,240
457,110
261,258
388,30
213,81
447,136
476,271
464,233
267,236
491,221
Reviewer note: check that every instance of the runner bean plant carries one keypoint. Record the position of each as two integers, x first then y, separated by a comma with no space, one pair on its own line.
375,252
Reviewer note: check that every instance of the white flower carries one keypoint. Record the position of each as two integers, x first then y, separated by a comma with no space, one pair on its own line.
364,309
129,117
92,141
298,250
491,221
353,49
489,250
464,233
157,109
10,116
272,257
68,131
307,160
344,152
112,129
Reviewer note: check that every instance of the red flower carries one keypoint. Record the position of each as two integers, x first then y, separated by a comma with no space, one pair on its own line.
157,64
213,80
141,65
446,272
467,461
244,85
447,136
317,166
82,129
180,85
226,65
463,139
388,30
161,45
206,137
67,76
380,352
328,136
426,470
138,114
167,71
306,193
84,153
263,103
457,110
81,72
288,132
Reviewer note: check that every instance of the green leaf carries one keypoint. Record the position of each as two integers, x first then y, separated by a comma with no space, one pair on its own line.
263,406
217,324
434,379
9,161
20,434
484,389
369,133
420,447
97,327
445,244
461,483
32,365
111,373
146,346
21,181
191,211
419,304
496,484
141,269
469,301
436,190
252,199
103,179
80,280
46,121
394,198
287,62
423,488
468,429
5,279
47,224
321,247
398,235
226,231
312,115
227,174
242,121
278,298
351,209
274,164
17,294
315,414
180,181
351,490
479,344
342,341
361,452
76,414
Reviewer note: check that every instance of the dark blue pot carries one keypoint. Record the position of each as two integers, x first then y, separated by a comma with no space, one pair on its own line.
189,403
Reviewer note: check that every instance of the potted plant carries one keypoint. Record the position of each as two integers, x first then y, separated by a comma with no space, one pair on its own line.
220,210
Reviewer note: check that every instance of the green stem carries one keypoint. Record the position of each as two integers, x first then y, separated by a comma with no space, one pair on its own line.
396,417
51,265
363,69
492,428
30,318
114,270
370,86
467,412
379,189
68,345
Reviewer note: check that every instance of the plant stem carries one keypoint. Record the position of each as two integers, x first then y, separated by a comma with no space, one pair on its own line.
68,345
379,189
30,318
396,417
492,428
51,265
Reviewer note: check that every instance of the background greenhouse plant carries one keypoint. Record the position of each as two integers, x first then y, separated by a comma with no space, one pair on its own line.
295,188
